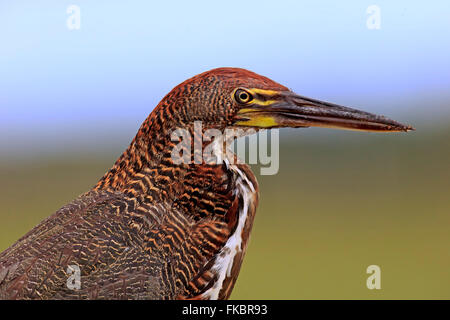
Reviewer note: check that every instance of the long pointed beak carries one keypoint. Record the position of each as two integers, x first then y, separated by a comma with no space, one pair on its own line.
292,110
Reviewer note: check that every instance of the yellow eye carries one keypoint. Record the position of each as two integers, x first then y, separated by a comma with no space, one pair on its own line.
243,96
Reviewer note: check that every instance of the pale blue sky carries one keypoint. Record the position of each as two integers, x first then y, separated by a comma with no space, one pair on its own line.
104,79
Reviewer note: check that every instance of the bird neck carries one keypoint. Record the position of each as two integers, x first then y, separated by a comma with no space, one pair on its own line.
150,152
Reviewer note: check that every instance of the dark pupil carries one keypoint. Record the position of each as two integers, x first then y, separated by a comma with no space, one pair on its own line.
243,96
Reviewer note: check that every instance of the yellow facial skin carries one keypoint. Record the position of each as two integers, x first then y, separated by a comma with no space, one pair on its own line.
255,119
261,121
264,92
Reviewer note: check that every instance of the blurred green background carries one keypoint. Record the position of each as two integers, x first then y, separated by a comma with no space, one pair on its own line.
341,201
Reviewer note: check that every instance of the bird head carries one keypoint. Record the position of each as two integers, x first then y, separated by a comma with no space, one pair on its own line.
238,98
